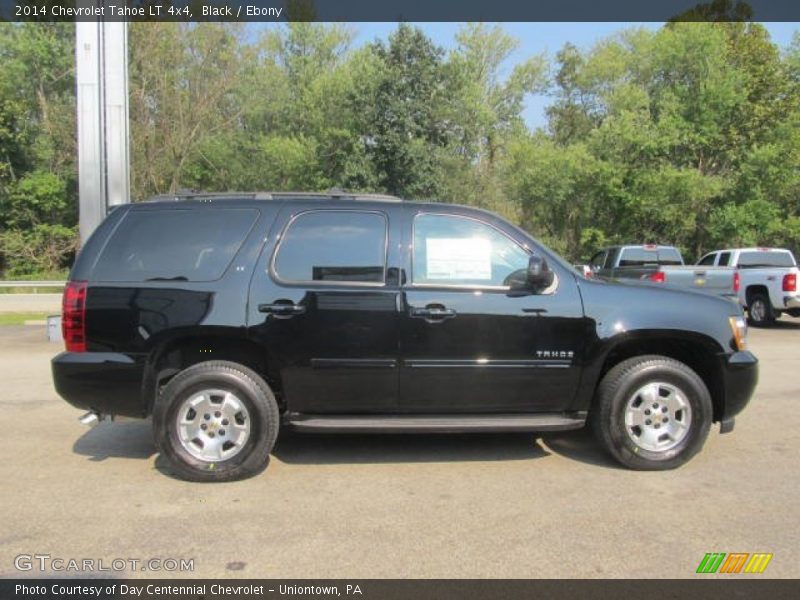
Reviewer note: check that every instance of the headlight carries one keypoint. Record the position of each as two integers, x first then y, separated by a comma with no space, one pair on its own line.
739,329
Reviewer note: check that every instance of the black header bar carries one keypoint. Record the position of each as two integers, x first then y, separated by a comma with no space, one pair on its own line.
399,10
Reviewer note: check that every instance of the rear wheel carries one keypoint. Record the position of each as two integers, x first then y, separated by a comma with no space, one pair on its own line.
216,421
652,413
760,311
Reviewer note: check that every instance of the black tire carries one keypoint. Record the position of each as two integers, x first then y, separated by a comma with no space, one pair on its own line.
250,388
760,312
621,383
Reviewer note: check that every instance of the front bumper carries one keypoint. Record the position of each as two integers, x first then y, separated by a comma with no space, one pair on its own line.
103,382
740,376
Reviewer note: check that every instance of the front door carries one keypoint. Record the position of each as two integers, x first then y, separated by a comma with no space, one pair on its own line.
468,343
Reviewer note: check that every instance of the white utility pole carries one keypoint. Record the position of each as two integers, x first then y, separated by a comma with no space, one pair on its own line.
101,60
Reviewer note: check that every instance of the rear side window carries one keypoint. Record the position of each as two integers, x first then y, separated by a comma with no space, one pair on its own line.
724,259
174,244
638,257
333,246
765,259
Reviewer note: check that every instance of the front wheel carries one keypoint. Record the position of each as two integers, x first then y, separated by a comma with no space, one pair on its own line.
652,413
216,421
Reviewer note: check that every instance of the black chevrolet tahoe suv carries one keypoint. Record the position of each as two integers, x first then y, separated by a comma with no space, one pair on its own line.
226,316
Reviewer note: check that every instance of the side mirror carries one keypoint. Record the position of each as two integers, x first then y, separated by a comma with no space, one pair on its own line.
539,274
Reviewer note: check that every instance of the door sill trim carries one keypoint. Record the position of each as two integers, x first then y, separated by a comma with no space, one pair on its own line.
435,423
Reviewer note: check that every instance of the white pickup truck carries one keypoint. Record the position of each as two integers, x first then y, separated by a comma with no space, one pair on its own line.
767,280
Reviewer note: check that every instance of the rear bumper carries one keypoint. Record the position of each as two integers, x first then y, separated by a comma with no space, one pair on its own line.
104,382
740,376
791,302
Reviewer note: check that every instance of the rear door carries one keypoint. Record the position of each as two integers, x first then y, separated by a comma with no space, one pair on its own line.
324,302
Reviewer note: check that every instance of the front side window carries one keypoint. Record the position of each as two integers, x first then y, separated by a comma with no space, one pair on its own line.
598,259
452,250
611,258
333,246
707,260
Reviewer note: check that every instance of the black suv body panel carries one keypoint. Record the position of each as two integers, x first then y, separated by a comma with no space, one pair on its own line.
381,339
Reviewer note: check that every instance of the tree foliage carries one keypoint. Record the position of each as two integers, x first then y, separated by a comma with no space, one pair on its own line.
689,134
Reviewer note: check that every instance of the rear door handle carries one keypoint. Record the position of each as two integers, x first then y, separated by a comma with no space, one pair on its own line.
282,309
433,314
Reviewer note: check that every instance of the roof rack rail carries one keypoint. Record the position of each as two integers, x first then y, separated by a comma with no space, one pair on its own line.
332,193
190,195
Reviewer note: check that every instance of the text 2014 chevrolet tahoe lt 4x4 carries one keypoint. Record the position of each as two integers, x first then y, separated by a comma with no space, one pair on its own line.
225,317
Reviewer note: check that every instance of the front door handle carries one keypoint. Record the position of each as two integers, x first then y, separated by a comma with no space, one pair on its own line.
433,313
282,309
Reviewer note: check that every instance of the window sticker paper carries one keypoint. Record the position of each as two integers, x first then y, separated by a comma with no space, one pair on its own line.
459,258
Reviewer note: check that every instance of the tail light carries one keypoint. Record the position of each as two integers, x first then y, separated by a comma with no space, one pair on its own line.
73,316
790,282
656,276
737,281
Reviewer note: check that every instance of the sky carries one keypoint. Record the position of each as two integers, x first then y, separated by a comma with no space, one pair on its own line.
535,38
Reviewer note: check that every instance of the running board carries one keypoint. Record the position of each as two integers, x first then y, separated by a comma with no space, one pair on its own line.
434,423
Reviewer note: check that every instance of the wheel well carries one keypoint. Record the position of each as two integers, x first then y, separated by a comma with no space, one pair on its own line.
753,290
173,357
697,356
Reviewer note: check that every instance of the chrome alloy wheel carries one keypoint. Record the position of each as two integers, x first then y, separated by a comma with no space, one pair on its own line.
758,311
213,425
658,416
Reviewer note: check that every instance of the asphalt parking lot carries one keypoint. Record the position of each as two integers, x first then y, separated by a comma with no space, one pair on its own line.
415,506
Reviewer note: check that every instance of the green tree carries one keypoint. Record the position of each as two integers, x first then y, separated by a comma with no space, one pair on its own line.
37,147
182,82
400,114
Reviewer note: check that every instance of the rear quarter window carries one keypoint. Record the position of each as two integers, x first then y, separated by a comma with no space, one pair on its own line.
174,244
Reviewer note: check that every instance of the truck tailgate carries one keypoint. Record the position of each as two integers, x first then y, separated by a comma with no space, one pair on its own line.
712,280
